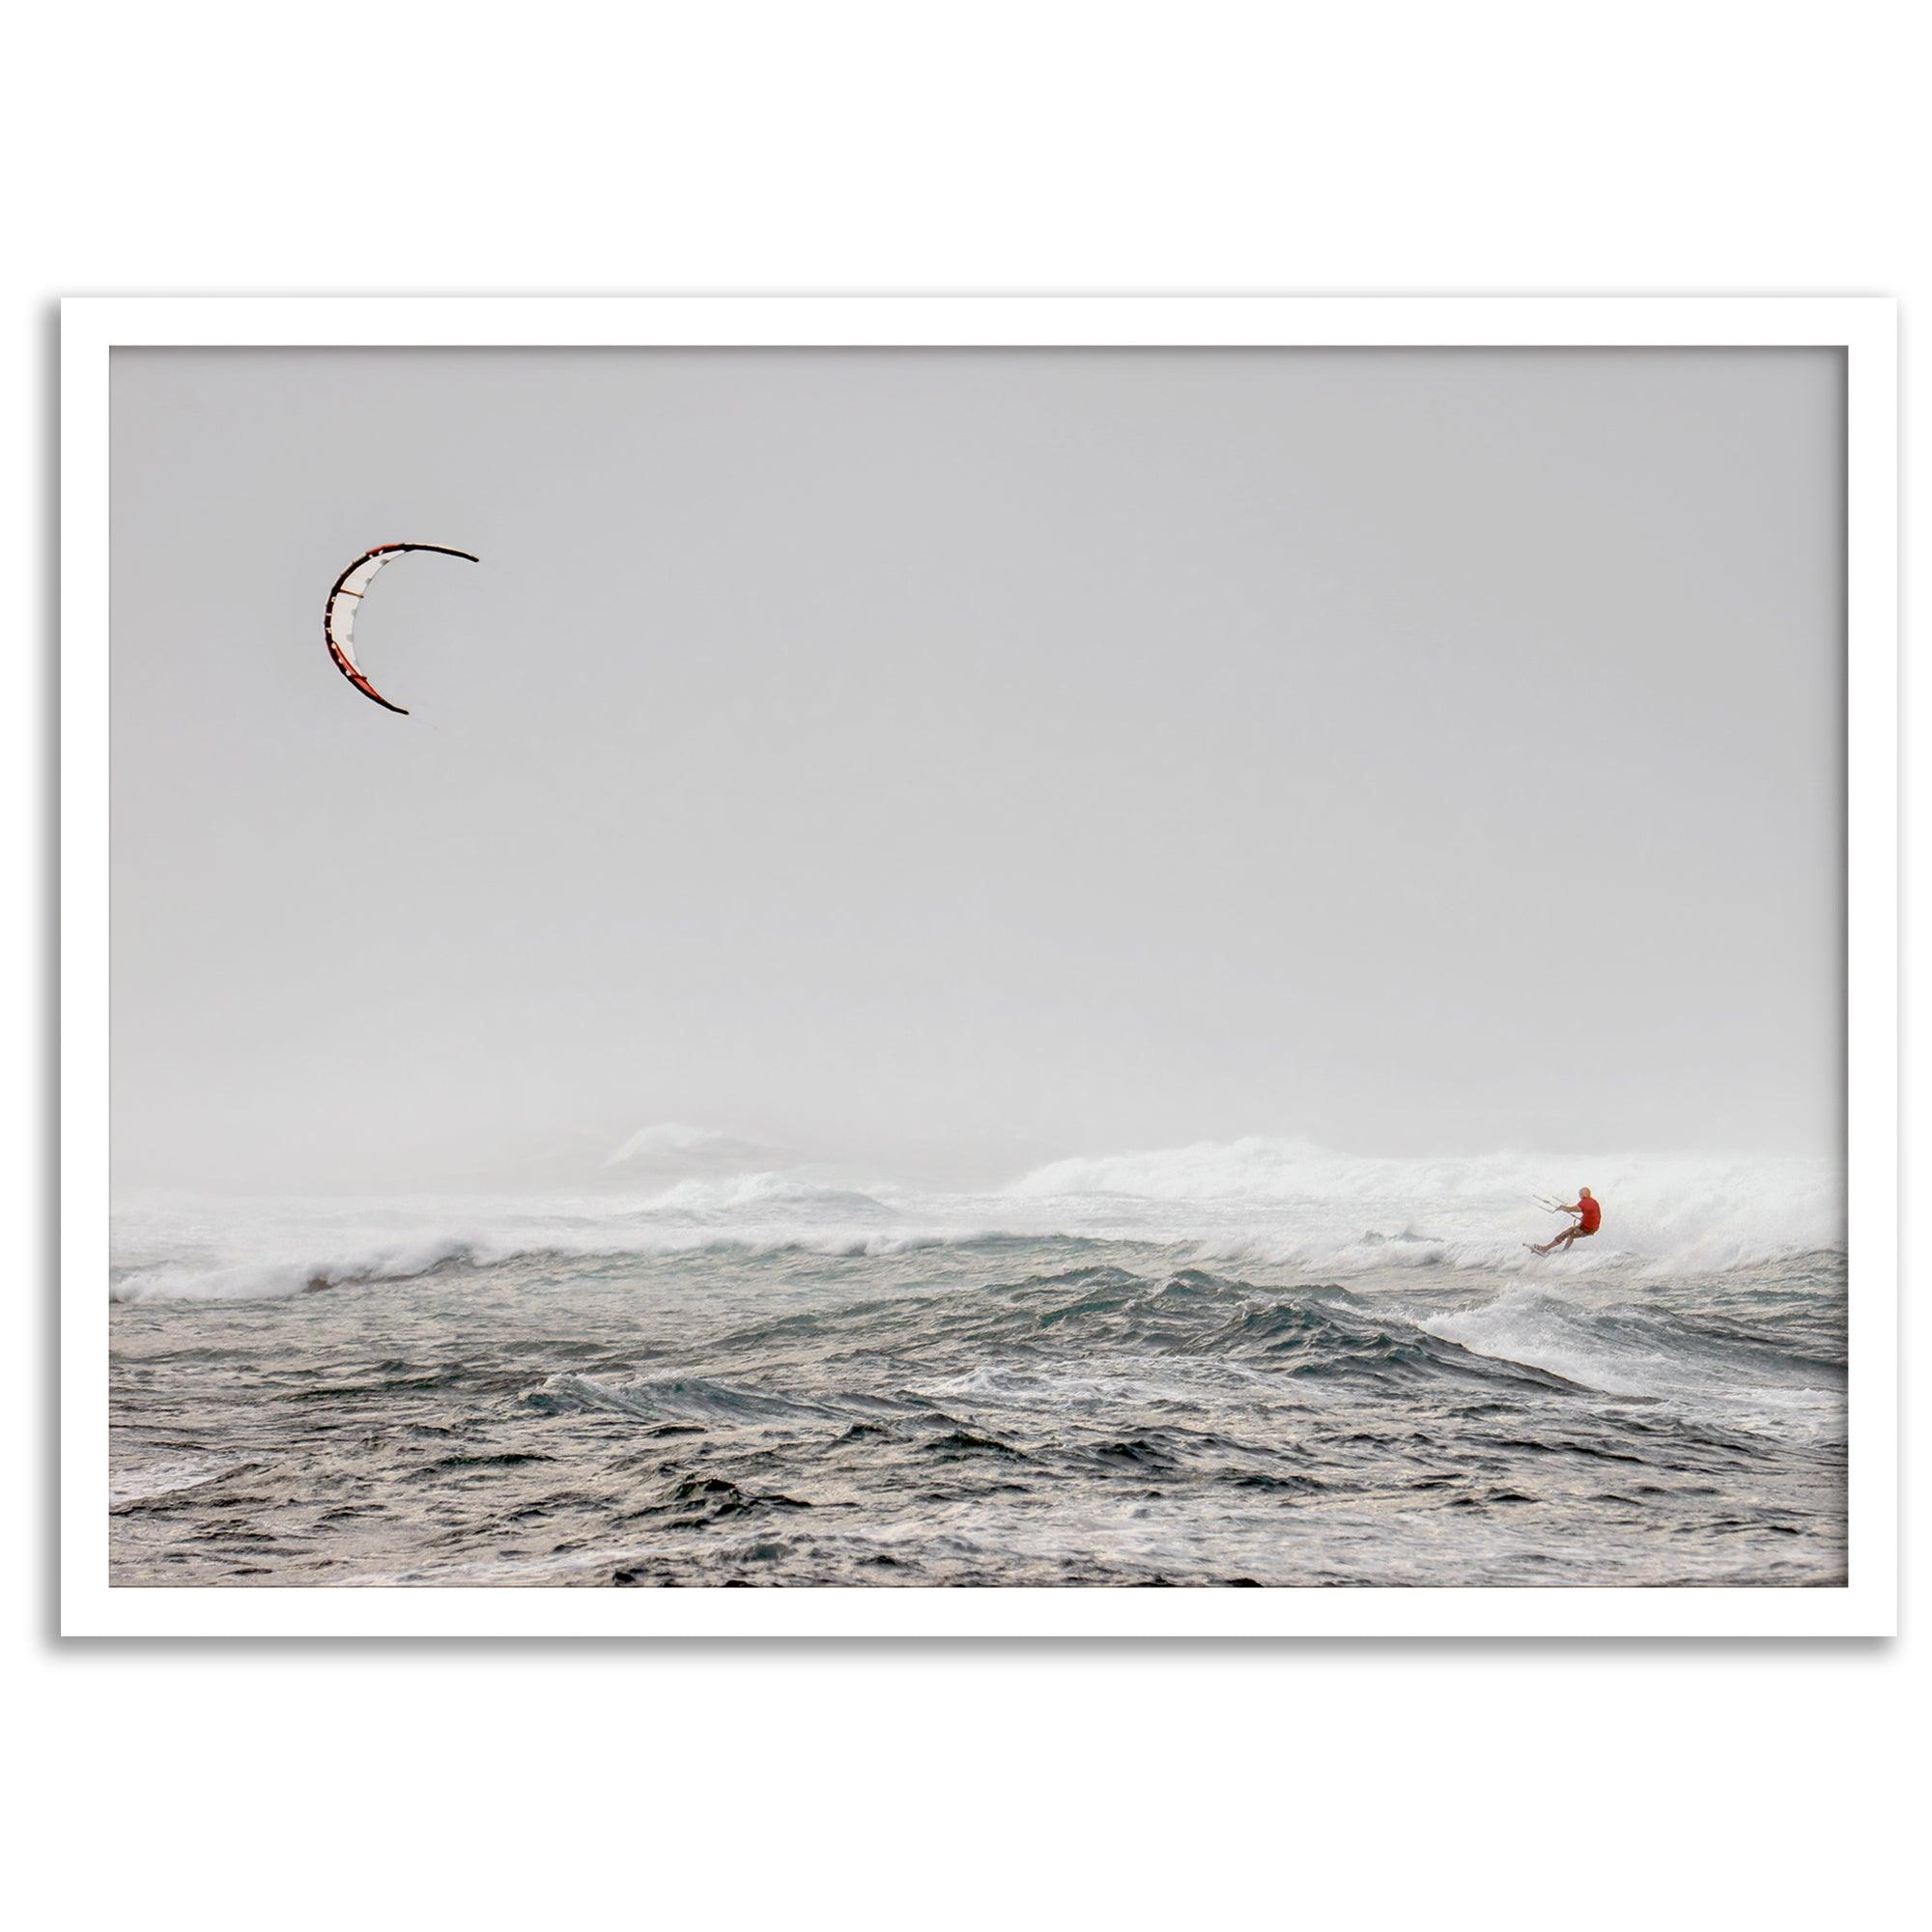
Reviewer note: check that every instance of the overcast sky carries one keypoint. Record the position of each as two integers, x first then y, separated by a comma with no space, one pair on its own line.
1048,751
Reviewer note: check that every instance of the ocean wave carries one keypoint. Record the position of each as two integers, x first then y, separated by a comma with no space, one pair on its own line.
758,1195
672,1143
667,1399
149,1483
1276,1205
593,1252
287,1275
1291,1200
1629,1350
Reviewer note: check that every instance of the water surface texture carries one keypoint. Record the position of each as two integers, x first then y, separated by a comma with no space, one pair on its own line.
1247,1364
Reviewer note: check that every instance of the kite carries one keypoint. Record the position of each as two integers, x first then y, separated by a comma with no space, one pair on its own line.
338,616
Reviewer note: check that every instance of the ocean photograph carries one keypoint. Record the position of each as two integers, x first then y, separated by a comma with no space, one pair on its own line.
978,969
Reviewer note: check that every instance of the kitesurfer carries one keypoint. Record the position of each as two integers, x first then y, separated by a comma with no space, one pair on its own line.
1588,1215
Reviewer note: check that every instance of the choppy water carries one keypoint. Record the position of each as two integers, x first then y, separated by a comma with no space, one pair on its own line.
784,1382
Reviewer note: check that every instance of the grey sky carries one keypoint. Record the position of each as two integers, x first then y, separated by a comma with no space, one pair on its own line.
1421,751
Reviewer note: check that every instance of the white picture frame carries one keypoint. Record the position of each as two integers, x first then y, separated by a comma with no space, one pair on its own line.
1864,328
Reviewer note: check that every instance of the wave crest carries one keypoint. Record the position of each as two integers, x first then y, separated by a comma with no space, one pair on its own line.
1279,1205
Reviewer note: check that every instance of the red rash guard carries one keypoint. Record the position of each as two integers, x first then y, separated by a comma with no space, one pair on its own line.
1592,1215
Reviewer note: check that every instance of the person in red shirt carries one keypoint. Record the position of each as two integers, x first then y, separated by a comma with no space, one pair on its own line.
1589,1216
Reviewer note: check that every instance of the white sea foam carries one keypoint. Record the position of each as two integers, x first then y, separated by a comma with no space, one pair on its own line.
1531,1325
294,1271
1289,1200
1256,1202
757,1196
142,1482
1589,1334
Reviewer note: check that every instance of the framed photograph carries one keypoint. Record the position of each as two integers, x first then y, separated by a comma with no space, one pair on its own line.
1047,966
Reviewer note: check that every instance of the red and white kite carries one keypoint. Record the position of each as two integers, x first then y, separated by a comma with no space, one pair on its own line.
338,617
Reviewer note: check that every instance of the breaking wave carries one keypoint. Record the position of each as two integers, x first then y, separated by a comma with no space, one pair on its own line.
1291,1201
195,1280
1260,1203
1630,1349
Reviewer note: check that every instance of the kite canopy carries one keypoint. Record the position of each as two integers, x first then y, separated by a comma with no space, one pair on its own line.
338,617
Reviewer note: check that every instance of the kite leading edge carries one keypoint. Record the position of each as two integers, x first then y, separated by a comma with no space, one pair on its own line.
338,617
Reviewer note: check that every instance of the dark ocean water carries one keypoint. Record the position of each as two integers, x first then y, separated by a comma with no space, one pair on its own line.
1000,1409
